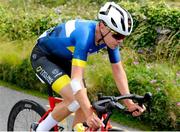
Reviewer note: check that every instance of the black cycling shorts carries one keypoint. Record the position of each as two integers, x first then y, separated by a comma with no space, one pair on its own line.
56,72
50,69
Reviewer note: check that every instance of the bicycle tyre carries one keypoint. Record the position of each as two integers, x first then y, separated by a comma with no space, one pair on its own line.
20,107
115,129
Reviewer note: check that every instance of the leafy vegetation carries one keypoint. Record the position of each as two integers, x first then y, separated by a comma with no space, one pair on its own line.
160,79
156,26
151,55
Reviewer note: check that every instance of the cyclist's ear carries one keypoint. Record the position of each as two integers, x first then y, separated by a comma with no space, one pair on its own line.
101,24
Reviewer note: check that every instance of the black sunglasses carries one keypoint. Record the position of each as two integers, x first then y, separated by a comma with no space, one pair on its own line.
116,35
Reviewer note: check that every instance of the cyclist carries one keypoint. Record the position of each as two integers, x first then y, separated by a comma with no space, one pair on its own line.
60,55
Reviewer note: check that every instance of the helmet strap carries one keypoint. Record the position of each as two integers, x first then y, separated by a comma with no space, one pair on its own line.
102,36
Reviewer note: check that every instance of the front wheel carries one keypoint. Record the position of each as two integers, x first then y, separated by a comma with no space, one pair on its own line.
23,114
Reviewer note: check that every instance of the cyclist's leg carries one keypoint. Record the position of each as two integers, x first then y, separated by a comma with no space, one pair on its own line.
58,114
61,110
79,115
65,92
52,74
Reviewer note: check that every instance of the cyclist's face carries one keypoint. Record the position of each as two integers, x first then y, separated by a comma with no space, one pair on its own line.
112,39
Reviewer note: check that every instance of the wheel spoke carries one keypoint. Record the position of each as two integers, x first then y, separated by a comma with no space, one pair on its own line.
24,119
23,114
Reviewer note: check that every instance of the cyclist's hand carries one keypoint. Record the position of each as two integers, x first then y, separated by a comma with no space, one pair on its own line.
94,122
136,109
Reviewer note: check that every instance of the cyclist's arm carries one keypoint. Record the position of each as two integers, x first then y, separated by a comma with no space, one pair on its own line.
78,64
81,96
122,84
121,80
119,73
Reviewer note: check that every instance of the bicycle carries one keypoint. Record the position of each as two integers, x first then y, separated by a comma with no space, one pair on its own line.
103,106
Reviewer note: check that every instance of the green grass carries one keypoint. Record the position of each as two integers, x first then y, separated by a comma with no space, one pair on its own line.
13,52
129,121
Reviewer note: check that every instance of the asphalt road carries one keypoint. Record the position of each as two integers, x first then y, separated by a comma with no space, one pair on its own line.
9,97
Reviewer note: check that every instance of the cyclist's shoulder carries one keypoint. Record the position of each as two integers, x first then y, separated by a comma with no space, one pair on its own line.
84,21
82,25
84,29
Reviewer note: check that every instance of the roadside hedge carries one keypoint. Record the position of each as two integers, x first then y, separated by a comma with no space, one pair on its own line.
22,75
161,81
156,31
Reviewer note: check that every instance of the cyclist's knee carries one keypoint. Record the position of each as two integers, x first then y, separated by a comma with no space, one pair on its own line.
63,81
60,87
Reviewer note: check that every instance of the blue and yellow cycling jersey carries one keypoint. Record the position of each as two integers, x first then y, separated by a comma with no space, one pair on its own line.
74,40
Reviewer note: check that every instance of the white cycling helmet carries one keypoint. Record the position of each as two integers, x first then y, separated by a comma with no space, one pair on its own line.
116,18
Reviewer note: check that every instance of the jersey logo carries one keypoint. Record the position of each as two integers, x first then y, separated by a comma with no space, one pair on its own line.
71,48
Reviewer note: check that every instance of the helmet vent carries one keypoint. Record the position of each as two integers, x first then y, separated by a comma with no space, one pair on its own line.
129,25
120,12
122,23
113,22
105,12
102,12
